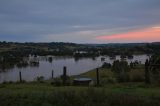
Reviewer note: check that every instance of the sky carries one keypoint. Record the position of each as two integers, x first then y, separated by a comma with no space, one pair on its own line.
80,21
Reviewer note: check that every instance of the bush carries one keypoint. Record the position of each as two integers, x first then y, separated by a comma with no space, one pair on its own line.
137,75
56,82
4,82
67,82
40,79
106,65
123,77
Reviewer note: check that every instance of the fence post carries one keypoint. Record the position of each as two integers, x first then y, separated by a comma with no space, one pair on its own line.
20,76
147,73
64,75
97,74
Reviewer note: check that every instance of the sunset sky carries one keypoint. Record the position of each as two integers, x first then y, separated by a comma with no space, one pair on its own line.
80,21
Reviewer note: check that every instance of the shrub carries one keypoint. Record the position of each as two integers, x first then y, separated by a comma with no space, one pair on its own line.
123,77
137,75
106,65
40,79
56,82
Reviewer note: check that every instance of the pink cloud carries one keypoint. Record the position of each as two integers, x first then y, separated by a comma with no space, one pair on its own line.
145,35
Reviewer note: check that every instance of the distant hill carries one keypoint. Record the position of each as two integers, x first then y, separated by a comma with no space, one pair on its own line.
65,48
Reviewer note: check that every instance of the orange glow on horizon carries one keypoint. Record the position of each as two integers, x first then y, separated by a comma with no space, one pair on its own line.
145,35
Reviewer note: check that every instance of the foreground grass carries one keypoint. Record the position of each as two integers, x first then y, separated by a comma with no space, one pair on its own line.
44,94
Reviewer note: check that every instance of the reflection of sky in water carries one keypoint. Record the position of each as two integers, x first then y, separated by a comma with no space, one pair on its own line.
73,67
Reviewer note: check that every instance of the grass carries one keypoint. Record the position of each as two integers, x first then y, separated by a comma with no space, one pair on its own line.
44,94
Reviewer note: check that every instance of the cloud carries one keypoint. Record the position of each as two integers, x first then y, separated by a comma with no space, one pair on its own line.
57,19
143,35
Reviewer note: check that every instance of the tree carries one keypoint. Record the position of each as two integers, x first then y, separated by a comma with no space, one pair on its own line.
121,69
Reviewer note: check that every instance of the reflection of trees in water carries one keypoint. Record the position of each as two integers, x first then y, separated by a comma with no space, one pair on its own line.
22,64
34,63
76,59
9,62
50,59
10,59
5,66
94,58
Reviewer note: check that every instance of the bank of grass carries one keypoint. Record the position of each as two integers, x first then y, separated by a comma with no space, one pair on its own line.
107,76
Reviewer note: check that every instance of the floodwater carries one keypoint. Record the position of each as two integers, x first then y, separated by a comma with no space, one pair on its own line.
74,67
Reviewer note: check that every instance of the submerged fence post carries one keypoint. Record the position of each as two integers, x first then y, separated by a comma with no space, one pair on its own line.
64,75
20,76
97,74
52,74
